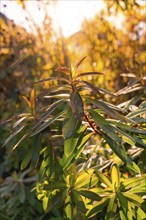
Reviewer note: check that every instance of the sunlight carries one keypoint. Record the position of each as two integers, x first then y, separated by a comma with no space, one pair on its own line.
70,14
66,15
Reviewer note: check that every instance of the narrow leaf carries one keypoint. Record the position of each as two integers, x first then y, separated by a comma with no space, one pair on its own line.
32,101
103,179
63,70
97,207
78,201
70,145
70,125
51,109
77,105
47,123
115,176
13,135
79,63
26,101
110,112
26,160
36,150
52,79
104,125
121,154
88,74
90,195
133,197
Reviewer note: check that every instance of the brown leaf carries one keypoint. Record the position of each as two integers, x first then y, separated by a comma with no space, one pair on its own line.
63,70
79,63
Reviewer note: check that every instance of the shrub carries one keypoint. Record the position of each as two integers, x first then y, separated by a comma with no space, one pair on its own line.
88,151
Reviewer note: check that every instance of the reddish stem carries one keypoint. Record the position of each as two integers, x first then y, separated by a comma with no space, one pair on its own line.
91,124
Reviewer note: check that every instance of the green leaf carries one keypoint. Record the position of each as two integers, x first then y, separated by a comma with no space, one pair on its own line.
134,167
133,197
140,214
22,194
127,127
68,160
109,111
58,218
103,179
50,110
70,145
104,125
47,123
81,144
135,181
128,140
26,160
111,208
90,195
126,137
123,200
13,135
55,185
77,105
85,179
78,201
97,207
70,125
36,150
121,154
117,150
137,112
69,207
45,115
21,139
125,205
140,189
47,165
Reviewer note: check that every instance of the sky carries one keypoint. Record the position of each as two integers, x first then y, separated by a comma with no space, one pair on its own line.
66,14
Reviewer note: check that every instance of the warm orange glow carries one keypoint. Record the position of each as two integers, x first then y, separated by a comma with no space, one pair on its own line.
67,15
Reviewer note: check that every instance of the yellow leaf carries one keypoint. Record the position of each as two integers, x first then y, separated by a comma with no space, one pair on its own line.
115,176
26,101
32,101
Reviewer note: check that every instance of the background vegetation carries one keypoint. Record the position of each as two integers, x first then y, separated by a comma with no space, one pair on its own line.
74,140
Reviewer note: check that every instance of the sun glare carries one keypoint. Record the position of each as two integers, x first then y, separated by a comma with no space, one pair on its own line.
66,15
70,14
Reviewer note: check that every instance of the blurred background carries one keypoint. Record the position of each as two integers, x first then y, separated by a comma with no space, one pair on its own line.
36,37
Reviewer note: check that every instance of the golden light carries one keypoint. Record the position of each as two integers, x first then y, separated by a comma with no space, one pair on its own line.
66,15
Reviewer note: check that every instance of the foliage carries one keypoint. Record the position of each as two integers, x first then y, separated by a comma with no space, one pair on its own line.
80,144
63,180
